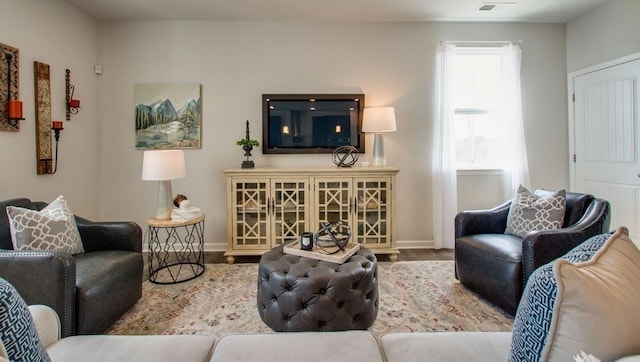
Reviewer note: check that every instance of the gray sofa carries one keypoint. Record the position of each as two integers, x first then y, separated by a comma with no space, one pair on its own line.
89,291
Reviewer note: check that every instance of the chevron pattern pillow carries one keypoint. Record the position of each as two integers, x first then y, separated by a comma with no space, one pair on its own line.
586,301
17,330
52,228
530,212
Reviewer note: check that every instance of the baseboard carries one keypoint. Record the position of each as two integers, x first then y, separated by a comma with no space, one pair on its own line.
416,244
401,244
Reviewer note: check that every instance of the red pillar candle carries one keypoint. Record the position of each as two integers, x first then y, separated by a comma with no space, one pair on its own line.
15,109
74,103
58,125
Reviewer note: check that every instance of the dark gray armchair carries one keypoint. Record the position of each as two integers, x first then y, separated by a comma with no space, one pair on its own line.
89,291
497,265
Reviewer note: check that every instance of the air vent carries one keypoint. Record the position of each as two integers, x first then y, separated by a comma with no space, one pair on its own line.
495,7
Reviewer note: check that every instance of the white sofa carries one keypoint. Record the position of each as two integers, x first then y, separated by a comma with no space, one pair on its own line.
280,347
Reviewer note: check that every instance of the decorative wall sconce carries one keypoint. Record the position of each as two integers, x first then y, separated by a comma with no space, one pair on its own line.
338,128
72,104
57,127
14,106
285,130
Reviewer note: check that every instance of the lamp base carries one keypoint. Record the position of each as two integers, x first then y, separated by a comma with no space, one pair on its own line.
165,201
378,151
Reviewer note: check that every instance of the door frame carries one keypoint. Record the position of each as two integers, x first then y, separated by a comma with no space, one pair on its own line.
571,105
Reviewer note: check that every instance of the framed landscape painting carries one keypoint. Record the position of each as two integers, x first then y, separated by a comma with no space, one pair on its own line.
168,115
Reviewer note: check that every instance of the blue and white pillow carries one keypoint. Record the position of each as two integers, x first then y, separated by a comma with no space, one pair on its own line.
586,301
17,330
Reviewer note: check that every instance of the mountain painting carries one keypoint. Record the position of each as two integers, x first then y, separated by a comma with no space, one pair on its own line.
168,115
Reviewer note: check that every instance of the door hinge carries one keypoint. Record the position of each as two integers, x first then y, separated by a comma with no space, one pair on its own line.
574,158
574,97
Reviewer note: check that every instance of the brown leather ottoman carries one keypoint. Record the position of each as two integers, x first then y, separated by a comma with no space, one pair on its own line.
298,294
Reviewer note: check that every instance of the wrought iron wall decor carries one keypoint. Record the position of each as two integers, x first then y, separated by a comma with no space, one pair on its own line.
9,89
72,104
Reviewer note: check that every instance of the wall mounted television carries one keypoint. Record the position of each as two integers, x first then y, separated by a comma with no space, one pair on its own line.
311,123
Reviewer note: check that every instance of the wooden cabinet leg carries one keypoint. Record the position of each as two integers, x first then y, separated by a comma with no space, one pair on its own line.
230,259
393,257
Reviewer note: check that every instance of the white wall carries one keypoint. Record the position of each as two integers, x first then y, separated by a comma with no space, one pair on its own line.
55,33
606,33
236,62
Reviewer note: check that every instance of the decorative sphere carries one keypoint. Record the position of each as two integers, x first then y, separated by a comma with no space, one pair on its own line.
345,156
332,235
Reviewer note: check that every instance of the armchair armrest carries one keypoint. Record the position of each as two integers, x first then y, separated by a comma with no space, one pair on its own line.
47,323
542,247
43,277
491,221
109,235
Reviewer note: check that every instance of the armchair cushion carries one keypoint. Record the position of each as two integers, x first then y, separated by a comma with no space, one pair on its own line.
52,228
530,212
586,301
17,330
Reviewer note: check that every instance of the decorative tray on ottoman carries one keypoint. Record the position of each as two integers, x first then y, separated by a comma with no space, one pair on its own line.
339,257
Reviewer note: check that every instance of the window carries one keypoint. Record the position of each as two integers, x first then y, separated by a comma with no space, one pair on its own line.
476,100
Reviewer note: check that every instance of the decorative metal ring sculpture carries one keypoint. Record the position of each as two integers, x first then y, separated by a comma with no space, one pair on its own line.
331,235
345,156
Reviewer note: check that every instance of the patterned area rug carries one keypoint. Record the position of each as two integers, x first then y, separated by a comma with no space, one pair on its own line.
414,296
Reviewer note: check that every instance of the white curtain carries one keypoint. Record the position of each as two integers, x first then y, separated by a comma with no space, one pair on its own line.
444,183
516,170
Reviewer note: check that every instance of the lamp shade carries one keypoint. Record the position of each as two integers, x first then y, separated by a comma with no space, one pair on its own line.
379,119
163,165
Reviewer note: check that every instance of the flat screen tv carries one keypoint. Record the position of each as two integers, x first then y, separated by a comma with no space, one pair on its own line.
311,123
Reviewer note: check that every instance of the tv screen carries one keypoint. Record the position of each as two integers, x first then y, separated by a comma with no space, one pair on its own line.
311,123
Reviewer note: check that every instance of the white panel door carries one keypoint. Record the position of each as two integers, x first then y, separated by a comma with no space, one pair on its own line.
606,130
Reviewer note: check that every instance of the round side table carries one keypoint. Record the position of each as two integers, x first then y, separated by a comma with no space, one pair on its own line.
176,250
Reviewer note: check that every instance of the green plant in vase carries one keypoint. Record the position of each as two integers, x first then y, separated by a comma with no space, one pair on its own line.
247,145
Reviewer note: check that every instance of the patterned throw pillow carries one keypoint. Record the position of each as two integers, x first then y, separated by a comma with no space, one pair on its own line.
586,301
530,212
52,228
17,330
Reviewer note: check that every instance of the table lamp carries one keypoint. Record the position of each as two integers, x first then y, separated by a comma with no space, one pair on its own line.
163,166
378,120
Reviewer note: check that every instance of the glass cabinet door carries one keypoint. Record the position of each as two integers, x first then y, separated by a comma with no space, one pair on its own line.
250,214
333,201
288,213
373,212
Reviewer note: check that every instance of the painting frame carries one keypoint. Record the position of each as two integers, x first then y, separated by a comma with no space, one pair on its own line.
168,116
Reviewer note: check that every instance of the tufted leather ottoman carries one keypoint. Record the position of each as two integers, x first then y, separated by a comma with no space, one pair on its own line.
300,294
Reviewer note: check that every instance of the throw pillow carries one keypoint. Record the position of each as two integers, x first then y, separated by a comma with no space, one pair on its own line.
17,330
52,228
529,212
586,301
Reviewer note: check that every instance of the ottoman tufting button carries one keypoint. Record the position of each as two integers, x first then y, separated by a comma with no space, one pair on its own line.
340,305
321,323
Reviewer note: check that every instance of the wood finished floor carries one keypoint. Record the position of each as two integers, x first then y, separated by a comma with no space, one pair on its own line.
405,255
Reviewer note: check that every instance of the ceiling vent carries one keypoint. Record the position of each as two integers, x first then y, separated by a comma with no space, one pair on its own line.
495,7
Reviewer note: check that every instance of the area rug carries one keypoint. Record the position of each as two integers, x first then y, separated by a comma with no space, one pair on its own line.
414,296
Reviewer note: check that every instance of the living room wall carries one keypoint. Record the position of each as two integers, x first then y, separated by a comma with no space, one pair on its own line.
55,33
236,62
603,34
